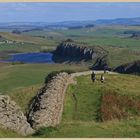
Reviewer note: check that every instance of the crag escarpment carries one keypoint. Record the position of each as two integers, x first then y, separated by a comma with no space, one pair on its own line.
46,108
11,117
67,51
71,52
133,67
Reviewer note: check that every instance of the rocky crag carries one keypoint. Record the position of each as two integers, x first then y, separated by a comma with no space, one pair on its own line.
129,68
70,51
11,117
46,108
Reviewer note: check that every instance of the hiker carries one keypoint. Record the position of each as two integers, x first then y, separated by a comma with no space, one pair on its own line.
93,77
105,68
102,78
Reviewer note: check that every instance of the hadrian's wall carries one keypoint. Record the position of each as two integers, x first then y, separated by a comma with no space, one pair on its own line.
46,108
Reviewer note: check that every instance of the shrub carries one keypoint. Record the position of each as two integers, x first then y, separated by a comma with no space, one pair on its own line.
116,106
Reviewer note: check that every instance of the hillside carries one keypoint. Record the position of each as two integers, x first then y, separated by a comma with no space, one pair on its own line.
110,109
87,108
22,38
83,101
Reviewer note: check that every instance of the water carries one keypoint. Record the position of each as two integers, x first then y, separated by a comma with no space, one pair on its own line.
31,58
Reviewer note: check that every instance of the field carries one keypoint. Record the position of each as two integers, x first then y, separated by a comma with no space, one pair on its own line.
25,79
111,38
80,118
86,104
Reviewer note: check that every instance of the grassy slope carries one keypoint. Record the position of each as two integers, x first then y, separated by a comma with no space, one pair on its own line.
22,81
25,79
22,38
82,122
31,43
27,47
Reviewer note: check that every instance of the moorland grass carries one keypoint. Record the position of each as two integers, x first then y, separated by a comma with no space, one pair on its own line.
83,121
25,75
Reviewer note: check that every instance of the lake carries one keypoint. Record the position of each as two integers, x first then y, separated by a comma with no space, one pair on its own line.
36,57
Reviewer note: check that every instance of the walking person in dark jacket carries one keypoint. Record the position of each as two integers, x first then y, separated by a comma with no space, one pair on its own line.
93,77
102,78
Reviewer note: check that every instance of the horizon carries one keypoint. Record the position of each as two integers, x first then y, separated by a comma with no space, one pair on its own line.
52,12
64,20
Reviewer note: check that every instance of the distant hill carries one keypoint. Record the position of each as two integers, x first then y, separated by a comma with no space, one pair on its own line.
119,21
69,24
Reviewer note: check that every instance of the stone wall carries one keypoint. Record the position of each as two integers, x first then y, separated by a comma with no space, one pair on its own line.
46,108
11,117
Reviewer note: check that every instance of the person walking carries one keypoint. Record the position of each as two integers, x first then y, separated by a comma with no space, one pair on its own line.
102,79
93,77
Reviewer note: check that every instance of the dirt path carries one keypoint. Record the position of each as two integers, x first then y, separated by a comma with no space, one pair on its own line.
75,101
89,72
73,75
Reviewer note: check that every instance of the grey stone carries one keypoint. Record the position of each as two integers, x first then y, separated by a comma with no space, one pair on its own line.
12,117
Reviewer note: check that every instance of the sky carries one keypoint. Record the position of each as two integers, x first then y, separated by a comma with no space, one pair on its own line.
66,11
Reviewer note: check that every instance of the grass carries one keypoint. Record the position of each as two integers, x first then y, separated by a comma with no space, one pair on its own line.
112,129
26,47
82,121
22,81
25,75
8,134
22,38
23,96
82,101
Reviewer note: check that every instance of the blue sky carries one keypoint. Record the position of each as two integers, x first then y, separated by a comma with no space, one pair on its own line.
55,12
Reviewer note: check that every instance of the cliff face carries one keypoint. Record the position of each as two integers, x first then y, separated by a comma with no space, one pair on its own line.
129,68
71,52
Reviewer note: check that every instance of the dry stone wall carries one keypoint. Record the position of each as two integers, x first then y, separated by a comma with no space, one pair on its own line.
46,108
11,117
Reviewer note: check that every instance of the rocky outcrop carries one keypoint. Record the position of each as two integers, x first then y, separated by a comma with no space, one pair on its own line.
101,63
68,51
11,117
46,108
129,68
